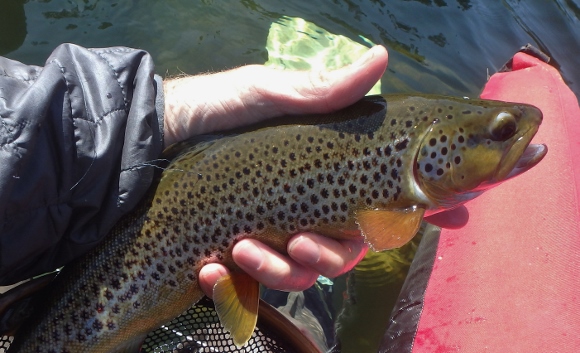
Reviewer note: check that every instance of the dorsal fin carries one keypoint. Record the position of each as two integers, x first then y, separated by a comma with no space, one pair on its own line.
195,144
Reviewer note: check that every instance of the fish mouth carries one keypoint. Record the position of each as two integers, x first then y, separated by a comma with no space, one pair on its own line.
521,156
532,155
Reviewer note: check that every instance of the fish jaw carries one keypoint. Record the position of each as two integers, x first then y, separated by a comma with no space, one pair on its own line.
532,155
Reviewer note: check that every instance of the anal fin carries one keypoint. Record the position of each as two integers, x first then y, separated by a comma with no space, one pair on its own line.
236,297
388,229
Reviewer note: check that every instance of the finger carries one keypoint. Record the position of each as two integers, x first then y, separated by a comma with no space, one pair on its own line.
271,268
451,219
327,256
208,276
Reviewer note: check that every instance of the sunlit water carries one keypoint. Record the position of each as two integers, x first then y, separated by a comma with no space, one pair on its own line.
436,46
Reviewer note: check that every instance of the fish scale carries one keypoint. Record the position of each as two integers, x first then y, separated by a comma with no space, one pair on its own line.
371,164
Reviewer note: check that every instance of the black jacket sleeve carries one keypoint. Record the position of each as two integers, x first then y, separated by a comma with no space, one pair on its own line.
75,139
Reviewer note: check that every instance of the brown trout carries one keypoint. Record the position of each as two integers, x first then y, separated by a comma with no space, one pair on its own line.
375,168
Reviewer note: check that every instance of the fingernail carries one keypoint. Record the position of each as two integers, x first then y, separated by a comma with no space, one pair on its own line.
365,58
304,250
250,257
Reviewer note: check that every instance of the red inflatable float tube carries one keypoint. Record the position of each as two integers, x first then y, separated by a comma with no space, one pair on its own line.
509,281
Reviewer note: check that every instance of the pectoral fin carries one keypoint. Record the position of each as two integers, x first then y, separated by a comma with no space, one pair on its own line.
236,298
388,229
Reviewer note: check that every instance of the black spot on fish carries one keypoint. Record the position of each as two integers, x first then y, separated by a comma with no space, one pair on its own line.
293,208
282,200
393,122
457,159
428,167
440,171
384,168
402,145
408,123
301,190
443,138
313,199
388,151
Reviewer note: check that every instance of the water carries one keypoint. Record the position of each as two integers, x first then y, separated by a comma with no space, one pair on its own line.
436,46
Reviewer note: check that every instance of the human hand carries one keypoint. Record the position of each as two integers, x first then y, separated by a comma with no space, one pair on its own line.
203,104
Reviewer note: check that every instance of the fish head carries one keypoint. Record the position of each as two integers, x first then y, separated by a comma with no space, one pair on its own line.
472,146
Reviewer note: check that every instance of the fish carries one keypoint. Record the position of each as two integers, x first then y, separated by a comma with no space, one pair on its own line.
373,169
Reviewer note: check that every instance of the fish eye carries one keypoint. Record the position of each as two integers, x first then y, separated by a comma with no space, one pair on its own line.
503,127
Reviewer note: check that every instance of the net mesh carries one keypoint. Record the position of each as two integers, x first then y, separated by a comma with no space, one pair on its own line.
198,330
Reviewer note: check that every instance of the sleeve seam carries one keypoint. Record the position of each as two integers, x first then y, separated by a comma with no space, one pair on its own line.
123,89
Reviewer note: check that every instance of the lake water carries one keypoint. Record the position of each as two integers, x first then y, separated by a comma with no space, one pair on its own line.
436,46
